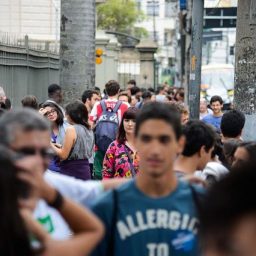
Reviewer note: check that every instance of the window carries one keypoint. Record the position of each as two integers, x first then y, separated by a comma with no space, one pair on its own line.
168,36
170,9
138,3
153,8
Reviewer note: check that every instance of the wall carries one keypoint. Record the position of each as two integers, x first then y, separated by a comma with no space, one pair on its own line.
24,71
38,18
28,67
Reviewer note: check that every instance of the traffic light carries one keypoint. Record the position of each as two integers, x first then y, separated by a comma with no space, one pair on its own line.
98,54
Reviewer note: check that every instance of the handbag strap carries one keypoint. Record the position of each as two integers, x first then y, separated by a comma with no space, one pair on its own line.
130,161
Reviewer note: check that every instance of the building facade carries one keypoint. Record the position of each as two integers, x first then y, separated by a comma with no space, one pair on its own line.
38,19
161,23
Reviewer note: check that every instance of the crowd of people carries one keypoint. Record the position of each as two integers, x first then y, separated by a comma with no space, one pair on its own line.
125,172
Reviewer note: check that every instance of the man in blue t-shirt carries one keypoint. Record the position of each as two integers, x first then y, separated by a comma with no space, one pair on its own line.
154,214
214,119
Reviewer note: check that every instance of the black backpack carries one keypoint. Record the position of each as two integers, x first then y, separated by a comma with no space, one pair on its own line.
107,126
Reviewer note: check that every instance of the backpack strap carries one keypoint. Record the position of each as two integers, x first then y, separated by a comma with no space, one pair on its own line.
197,198
117,106
111,245
103,105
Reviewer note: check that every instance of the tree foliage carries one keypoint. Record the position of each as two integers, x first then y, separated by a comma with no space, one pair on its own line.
120,16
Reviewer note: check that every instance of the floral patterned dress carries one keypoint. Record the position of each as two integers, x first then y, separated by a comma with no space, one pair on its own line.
120,162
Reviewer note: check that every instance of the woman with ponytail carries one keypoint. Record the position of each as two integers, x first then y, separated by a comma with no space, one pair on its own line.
78,143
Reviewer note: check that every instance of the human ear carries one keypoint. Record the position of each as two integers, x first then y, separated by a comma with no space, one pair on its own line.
181,144
202,151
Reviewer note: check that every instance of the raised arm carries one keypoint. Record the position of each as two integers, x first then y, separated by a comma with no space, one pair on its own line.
69,141
88,230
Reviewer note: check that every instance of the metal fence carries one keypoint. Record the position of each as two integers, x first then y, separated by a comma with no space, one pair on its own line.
128,70
27,67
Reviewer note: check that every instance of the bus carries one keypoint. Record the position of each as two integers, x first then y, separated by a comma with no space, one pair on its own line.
218,79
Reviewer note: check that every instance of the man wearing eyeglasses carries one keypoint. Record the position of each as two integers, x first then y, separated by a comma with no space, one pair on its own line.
155,214
27,134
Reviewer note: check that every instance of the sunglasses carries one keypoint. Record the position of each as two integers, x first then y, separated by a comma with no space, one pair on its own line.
30,151
163,139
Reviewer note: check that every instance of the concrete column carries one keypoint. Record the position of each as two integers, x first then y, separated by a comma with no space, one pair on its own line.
107,70
147,48
245,75
102,41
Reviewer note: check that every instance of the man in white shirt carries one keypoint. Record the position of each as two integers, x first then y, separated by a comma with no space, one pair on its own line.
27,134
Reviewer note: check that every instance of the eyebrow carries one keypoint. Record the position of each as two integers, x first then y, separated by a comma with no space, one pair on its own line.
157,136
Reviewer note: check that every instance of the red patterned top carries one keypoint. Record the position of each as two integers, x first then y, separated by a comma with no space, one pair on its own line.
116,162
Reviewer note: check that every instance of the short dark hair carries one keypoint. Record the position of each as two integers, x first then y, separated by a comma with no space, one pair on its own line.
23,119
88,95
60,115
229,148
78,112
134,90
132,81
8,103
2,105
250,147
53,88
112,88
125,94
216,98
146,95
97,89
218,149
197,134
151,89
227,201
181,93
30,101
159,111
159,88
232,123
130,113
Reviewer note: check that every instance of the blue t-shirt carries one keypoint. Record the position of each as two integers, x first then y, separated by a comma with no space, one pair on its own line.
148,226
213,120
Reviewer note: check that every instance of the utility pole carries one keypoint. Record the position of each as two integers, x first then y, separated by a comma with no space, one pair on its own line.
77,47
245,75
187,47
182,46
196,58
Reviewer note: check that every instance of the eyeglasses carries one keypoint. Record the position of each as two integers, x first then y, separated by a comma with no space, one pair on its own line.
48,113
30,151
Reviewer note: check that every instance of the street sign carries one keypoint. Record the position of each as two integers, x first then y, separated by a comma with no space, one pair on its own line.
220,17
183,4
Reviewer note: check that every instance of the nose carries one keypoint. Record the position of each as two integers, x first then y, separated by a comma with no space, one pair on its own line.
156,148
